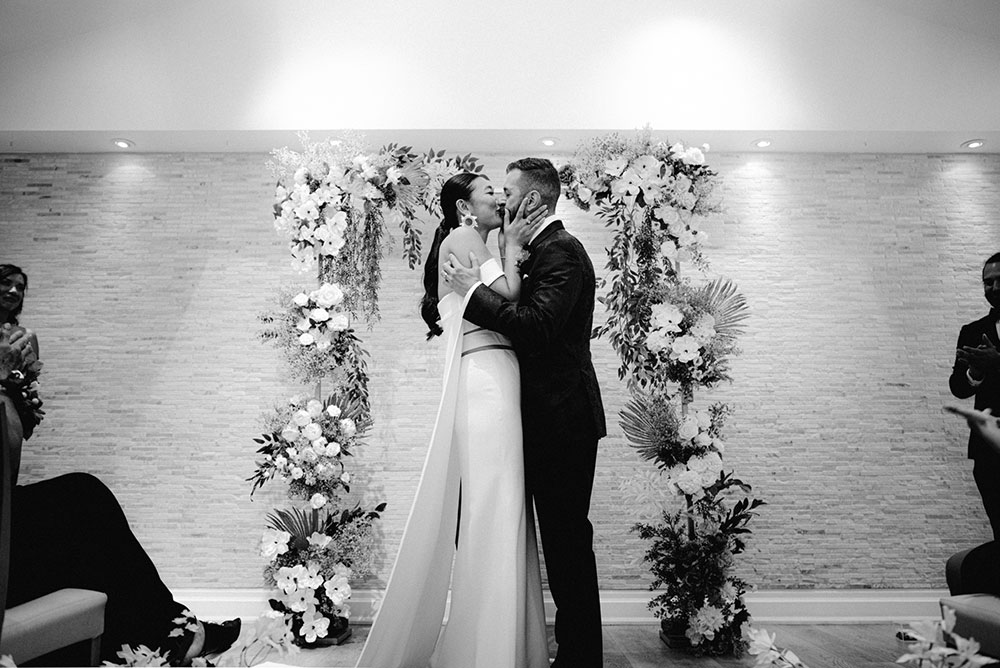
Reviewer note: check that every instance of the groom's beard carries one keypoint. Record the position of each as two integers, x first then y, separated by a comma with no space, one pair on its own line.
994,299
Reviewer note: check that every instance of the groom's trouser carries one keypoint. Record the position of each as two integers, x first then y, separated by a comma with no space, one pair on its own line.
560,456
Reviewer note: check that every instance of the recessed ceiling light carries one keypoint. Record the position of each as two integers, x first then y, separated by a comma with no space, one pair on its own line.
547,141
762,143
123,143
973,143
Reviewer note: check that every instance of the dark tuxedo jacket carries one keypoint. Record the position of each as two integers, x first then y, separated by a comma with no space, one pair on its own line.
987,394
550,327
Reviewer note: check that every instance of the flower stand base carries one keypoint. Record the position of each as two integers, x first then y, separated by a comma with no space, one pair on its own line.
673,636
335,638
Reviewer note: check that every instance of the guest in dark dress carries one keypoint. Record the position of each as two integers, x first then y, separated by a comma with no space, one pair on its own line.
70,531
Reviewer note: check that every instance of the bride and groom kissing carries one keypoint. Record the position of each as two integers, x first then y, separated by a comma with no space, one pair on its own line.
515,437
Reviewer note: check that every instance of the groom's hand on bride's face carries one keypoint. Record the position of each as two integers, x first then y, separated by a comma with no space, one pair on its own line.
459,277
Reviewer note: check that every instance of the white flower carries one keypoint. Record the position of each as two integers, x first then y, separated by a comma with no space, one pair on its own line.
312,578
677,149
338,222
338,322
328,295
301,418
704,419
303,325
313,626
312,431
297,472
309,455
707,621
333,411
667,317
615,166
347,427
314,407
299,600
646,166
317,501
306,339
689,482
392,174
668,249
584,193
332,449
286,579
290,433
688,428
320,540
338,589
704,329
273,543
319,315
686,349
301,175
659,339
667,214
301,299
703,440
345,478
319,445
693,156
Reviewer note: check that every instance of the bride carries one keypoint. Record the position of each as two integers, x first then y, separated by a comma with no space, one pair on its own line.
470,525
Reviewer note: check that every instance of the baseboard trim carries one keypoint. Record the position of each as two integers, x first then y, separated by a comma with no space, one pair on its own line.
788,606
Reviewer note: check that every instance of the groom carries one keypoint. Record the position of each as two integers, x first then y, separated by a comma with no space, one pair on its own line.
562,413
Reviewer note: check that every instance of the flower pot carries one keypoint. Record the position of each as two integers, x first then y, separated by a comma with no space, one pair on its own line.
337,633
672,634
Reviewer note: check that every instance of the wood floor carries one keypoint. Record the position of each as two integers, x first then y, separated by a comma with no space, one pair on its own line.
639,646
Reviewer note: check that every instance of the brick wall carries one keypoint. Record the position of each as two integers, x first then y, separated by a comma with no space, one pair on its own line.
147,273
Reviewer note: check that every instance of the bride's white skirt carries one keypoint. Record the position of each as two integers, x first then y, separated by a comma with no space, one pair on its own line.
496,618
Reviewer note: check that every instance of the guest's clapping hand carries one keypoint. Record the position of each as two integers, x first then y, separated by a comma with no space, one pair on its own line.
459,277
982,359
982,422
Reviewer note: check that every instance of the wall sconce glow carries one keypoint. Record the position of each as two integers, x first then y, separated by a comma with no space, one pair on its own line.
973,143
762,143
123,143
547,141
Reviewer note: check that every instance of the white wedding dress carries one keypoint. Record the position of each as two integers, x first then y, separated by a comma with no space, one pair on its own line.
496,618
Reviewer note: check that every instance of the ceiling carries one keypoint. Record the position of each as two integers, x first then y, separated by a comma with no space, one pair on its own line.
244,75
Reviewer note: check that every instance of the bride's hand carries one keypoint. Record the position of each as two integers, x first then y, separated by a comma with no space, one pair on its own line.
525,223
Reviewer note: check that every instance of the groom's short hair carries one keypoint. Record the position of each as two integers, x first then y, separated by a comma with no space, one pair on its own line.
541,175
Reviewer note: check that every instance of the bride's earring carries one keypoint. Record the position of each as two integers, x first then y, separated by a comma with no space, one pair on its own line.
470,220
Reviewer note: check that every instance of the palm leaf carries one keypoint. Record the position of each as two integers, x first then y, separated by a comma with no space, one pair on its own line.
642,428
728,306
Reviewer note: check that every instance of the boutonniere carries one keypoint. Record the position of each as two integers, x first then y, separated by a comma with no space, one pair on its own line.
521,257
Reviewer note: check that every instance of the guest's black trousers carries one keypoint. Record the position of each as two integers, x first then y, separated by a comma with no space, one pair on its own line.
70,531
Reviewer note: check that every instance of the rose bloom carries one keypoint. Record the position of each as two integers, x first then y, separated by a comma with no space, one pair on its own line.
301,299
314,407
338,322
693,156
306,339
301,418
584,193
290,432
689,482
348,427
688,428
333,411
319,315
328,295
332,449
345,478
317,501
312,431
658,340
297,473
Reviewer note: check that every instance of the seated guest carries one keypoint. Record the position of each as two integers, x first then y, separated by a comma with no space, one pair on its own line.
70,531
978,572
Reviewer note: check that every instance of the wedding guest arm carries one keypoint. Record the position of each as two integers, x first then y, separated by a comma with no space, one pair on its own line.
983,423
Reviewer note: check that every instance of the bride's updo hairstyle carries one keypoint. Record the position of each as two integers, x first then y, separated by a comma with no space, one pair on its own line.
456,188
